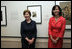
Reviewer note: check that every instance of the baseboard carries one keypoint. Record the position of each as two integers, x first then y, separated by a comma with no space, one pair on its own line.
37,37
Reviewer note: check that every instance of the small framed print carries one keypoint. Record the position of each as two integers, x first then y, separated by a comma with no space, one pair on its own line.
3,16
36,13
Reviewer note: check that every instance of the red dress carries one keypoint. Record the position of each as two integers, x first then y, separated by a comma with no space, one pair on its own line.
56,29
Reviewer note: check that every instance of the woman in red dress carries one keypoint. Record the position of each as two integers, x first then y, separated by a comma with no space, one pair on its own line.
56,28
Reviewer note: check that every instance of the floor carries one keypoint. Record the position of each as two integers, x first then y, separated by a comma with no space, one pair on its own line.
40,43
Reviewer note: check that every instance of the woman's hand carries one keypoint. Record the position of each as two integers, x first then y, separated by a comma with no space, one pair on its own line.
54,41
31,41
27,39
57,38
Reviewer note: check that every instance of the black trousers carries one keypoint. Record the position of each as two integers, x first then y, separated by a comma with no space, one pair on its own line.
25,44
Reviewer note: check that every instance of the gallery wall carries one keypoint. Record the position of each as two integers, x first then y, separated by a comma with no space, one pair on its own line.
14,10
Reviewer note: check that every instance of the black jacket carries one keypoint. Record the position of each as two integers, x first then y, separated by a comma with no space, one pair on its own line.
28,29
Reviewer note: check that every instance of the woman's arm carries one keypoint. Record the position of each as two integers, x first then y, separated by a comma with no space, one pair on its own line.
49,28
62,29
53,40
22,31
34,35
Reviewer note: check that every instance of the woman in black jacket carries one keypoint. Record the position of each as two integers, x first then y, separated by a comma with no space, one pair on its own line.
28,31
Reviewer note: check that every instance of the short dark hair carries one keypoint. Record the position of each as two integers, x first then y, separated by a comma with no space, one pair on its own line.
27,11
60,13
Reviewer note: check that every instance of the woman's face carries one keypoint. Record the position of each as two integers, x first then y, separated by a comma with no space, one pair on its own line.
27,16
56,11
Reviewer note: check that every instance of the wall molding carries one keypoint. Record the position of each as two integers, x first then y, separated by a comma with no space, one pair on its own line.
37,37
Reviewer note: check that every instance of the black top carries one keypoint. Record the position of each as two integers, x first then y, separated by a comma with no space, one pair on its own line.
28,29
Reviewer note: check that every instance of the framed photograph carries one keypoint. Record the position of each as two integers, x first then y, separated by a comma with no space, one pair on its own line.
3,16
36,13
66,10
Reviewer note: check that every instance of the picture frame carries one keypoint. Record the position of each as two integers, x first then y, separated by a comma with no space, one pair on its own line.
3,16
36,13
66,10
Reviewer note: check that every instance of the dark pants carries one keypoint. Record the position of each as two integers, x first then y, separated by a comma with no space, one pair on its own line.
25,44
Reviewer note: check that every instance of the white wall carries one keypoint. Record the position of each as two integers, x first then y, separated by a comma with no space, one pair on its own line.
15,17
